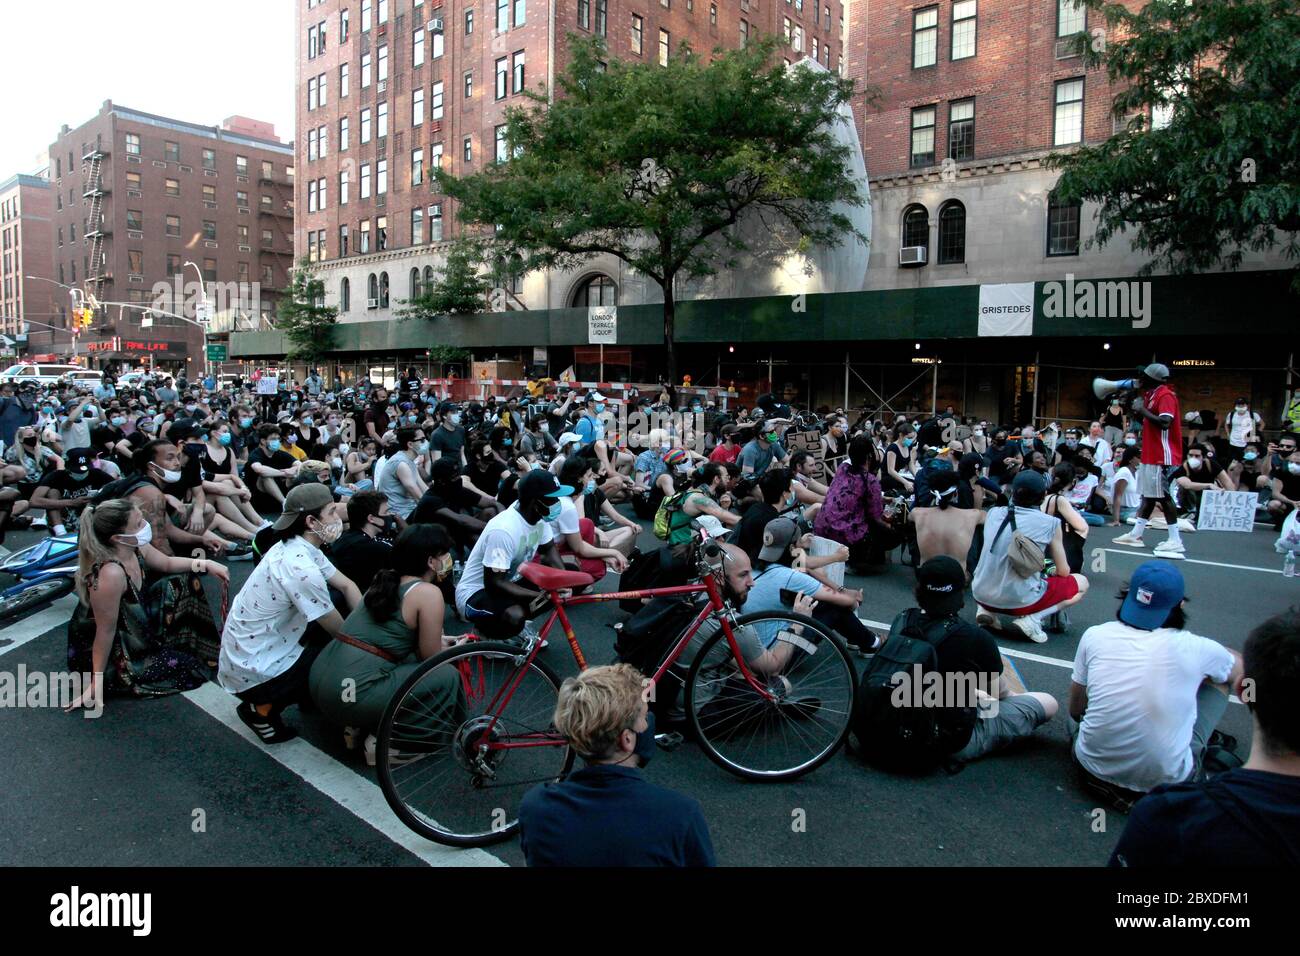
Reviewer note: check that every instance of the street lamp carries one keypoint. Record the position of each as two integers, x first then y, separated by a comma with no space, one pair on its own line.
202,314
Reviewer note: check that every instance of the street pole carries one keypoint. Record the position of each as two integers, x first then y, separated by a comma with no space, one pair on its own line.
1033,411
203,302
846,381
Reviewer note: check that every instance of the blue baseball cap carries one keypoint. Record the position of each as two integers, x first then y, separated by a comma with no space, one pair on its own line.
1155,589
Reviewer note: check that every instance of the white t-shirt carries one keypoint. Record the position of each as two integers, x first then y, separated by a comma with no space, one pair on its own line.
1082,491
1101,451
1137,731
567,522
1131,497
284,594
507,542
1241,424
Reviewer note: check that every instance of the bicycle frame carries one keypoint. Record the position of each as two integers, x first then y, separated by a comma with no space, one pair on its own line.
716,607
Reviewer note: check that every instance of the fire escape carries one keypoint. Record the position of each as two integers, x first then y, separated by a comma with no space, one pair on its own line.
273,217
95,191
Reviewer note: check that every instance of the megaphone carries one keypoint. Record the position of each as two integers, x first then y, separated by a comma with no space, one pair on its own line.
1104,388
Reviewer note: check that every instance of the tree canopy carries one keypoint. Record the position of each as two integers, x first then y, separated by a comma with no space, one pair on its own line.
307,322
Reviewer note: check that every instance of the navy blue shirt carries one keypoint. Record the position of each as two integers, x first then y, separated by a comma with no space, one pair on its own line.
606,815
1239,818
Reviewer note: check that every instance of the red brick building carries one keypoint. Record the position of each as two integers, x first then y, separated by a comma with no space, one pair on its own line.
137,196
389,88
26,247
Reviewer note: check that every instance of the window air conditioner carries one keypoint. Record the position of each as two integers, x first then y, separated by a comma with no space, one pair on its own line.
911,256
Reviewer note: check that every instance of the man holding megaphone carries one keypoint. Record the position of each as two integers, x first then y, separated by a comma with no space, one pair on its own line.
1162,453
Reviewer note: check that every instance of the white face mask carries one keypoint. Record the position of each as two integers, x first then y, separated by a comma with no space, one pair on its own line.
140,538
344,448
168,475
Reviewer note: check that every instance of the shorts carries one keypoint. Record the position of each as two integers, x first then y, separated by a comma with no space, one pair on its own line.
1153,480
1017,717
1058,589
485,611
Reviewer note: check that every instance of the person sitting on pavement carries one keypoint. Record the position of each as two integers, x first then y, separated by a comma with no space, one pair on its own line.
575,534
606,813
943,528
284,614
381,643
363,549
489,594
774,498
1147,692
1250,815
1198,473
401,482
62,494
765,447
1286,485
111,634
1001,587
270,469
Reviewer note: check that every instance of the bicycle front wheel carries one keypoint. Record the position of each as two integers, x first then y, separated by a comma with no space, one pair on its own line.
465,737
801,720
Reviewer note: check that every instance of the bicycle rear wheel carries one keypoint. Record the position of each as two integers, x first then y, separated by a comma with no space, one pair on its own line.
458,747
806,718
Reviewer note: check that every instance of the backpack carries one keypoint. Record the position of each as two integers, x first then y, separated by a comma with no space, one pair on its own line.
1026,557
119,488
653,569
646,638
664,516
902,738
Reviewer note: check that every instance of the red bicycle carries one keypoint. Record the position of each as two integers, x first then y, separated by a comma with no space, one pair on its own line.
767,695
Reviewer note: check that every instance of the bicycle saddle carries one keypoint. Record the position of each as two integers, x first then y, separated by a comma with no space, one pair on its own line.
553,579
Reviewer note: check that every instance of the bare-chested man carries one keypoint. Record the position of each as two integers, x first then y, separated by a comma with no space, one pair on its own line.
945,528
159,462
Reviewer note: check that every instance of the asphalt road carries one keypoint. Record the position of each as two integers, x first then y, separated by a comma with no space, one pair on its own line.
180,781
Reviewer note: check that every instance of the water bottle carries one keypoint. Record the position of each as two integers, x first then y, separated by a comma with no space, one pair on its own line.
1288,565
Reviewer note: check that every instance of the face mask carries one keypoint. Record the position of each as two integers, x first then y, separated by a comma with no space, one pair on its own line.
555,511
344,448
589,487
412,418
291,439
147,425
333,424
545,427
1241,408
308,422
140,538
191,408
79,477
1195,463
392,400
1072,443
329,533
907,442
507,442
118,421
1293,467
444,567
47,410
169,476
1130,442
273,445
645,740
455,419
223,438
599,407
1250,456
422,447
245,423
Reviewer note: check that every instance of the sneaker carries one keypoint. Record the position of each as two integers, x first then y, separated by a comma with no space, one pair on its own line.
39,523
239,552
1030,629
1187,524
270,729
1129,540
988,619
1167,549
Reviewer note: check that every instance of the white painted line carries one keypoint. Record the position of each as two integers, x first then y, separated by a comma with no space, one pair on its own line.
1025,655
28,629
354,793
1144,553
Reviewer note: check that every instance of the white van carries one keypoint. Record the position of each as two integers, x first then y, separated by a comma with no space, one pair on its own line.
38,374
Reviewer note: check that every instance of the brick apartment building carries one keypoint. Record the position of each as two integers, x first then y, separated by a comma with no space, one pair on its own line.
383,97
26,248
136,196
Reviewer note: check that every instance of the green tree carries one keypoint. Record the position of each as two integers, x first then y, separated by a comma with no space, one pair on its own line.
1223,175
304,318
657,165
459,290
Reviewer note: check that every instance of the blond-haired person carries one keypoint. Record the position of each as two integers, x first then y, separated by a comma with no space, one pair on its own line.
110,634
607,813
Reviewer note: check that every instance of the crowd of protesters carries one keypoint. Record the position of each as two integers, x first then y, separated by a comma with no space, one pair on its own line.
379,515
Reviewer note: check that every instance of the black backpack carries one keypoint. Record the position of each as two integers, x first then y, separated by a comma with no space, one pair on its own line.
119,488
645,639
905,739
652,569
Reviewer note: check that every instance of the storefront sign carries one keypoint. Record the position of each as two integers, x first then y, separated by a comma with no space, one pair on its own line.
1227,511
1006,309
602,325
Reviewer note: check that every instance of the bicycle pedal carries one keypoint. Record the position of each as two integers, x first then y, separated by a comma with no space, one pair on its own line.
670,741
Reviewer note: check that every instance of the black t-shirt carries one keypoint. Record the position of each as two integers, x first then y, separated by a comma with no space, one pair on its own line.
1239,818
931,432
448,442
967,649
1290,482
591,505
1207,473
72,489
360,557
749,533
278,460
427,508
410,385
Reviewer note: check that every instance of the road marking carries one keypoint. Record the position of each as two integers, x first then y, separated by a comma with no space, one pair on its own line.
1143,553
1026,655
29,628
353,792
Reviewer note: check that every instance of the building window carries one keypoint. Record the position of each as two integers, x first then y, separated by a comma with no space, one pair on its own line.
210,270
372,282
132,147
381,123
366,70
1068,120
584,14
174,265
435,222
383,276
343,26
312,97
517,72
172,187
381,177
417,47
435,106
961,130
363,244
952,232
173,226
925,37
469,149
598,290
268,170
312,151
132,182
268,276
637,32
343,187
602,16
1071,17
520,11
469,83
417,107
501,155
435,156
503,15
364,179
366,6
134,222
343,134
172,152
345,81
916,227
365,125
321,188
1062,227
343,242
664,40
209,230
210,194
469,22
268,239
382,11
963,29
382,69
744,32
502,77
345,289
323,136
417,236
922,137
713,14
241,165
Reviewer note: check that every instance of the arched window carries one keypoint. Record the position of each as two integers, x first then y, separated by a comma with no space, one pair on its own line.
415,283
372,292
596,290
428,278
383,290
952,232
345,295
916,227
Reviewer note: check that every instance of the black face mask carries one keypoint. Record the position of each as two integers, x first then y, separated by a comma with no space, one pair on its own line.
645,740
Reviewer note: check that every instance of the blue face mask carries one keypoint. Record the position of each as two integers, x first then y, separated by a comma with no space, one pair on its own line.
599,407
590,487
412,418
907,442
309,422
507,442
47,410
1250,456
1130,442
557,509
245,423
392,400
223,438
273,445
118,421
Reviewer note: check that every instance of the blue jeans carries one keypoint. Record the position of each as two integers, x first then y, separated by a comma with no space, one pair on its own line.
344,491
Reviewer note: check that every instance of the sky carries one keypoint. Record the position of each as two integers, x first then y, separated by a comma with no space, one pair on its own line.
195,60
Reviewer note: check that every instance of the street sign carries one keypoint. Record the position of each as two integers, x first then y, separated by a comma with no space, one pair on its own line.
216,353
202,313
